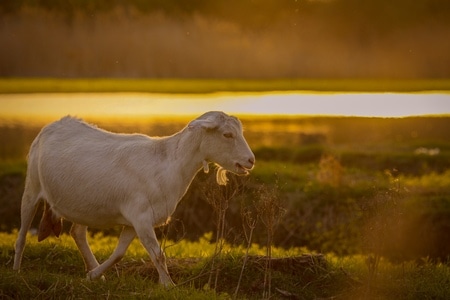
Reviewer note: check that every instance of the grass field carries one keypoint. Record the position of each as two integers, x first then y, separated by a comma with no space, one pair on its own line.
52,85
54,269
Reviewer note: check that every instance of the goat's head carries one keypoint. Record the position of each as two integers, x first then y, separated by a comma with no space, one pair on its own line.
223,143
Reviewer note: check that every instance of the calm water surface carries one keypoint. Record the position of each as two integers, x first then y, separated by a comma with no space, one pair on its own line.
55,105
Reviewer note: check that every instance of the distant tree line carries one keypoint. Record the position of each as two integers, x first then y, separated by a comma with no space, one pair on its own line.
260,13
225,38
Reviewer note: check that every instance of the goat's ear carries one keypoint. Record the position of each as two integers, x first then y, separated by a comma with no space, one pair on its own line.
204,123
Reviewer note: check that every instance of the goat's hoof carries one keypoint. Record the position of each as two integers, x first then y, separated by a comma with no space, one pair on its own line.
88,277
91,277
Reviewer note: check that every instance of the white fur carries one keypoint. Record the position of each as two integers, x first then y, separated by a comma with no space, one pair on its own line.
96,178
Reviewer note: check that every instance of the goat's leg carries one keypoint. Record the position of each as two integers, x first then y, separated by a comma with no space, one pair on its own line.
125,239
148,238
28,209
79,234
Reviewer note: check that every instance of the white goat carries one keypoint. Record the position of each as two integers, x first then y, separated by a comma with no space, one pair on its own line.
95,178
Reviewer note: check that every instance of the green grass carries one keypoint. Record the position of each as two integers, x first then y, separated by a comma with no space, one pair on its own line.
53,268
99,85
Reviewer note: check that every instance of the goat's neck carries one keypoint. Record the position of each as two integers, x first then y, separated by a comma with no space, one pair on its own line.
187,159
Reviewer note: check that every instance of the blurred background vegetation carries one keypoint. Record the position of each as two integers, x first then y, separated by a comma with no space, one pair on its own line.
225,38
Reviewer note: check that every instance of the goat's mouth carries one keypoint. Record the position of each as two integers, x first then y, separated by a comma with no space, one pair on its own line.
242,170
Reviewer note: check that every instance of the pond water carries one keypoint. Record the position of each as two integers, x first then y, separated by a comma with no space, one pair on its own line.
54,105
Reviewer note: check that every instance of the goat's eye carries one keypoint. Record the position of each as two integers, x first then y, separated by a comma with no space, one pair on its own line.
228,135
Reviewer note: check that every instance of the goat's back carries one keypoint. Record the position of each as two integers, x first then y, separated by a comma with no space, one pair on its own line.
85,173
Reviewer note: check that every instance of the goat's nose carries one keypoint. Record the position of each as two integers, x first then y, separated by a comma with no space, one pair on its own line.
251,160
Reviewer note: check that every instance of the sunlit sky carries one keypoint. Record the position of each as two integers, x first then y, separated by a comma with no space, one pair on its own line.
142,105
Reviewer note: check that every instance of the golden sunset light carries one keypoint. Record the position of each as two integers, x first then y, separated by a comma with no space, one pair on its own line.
240,149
